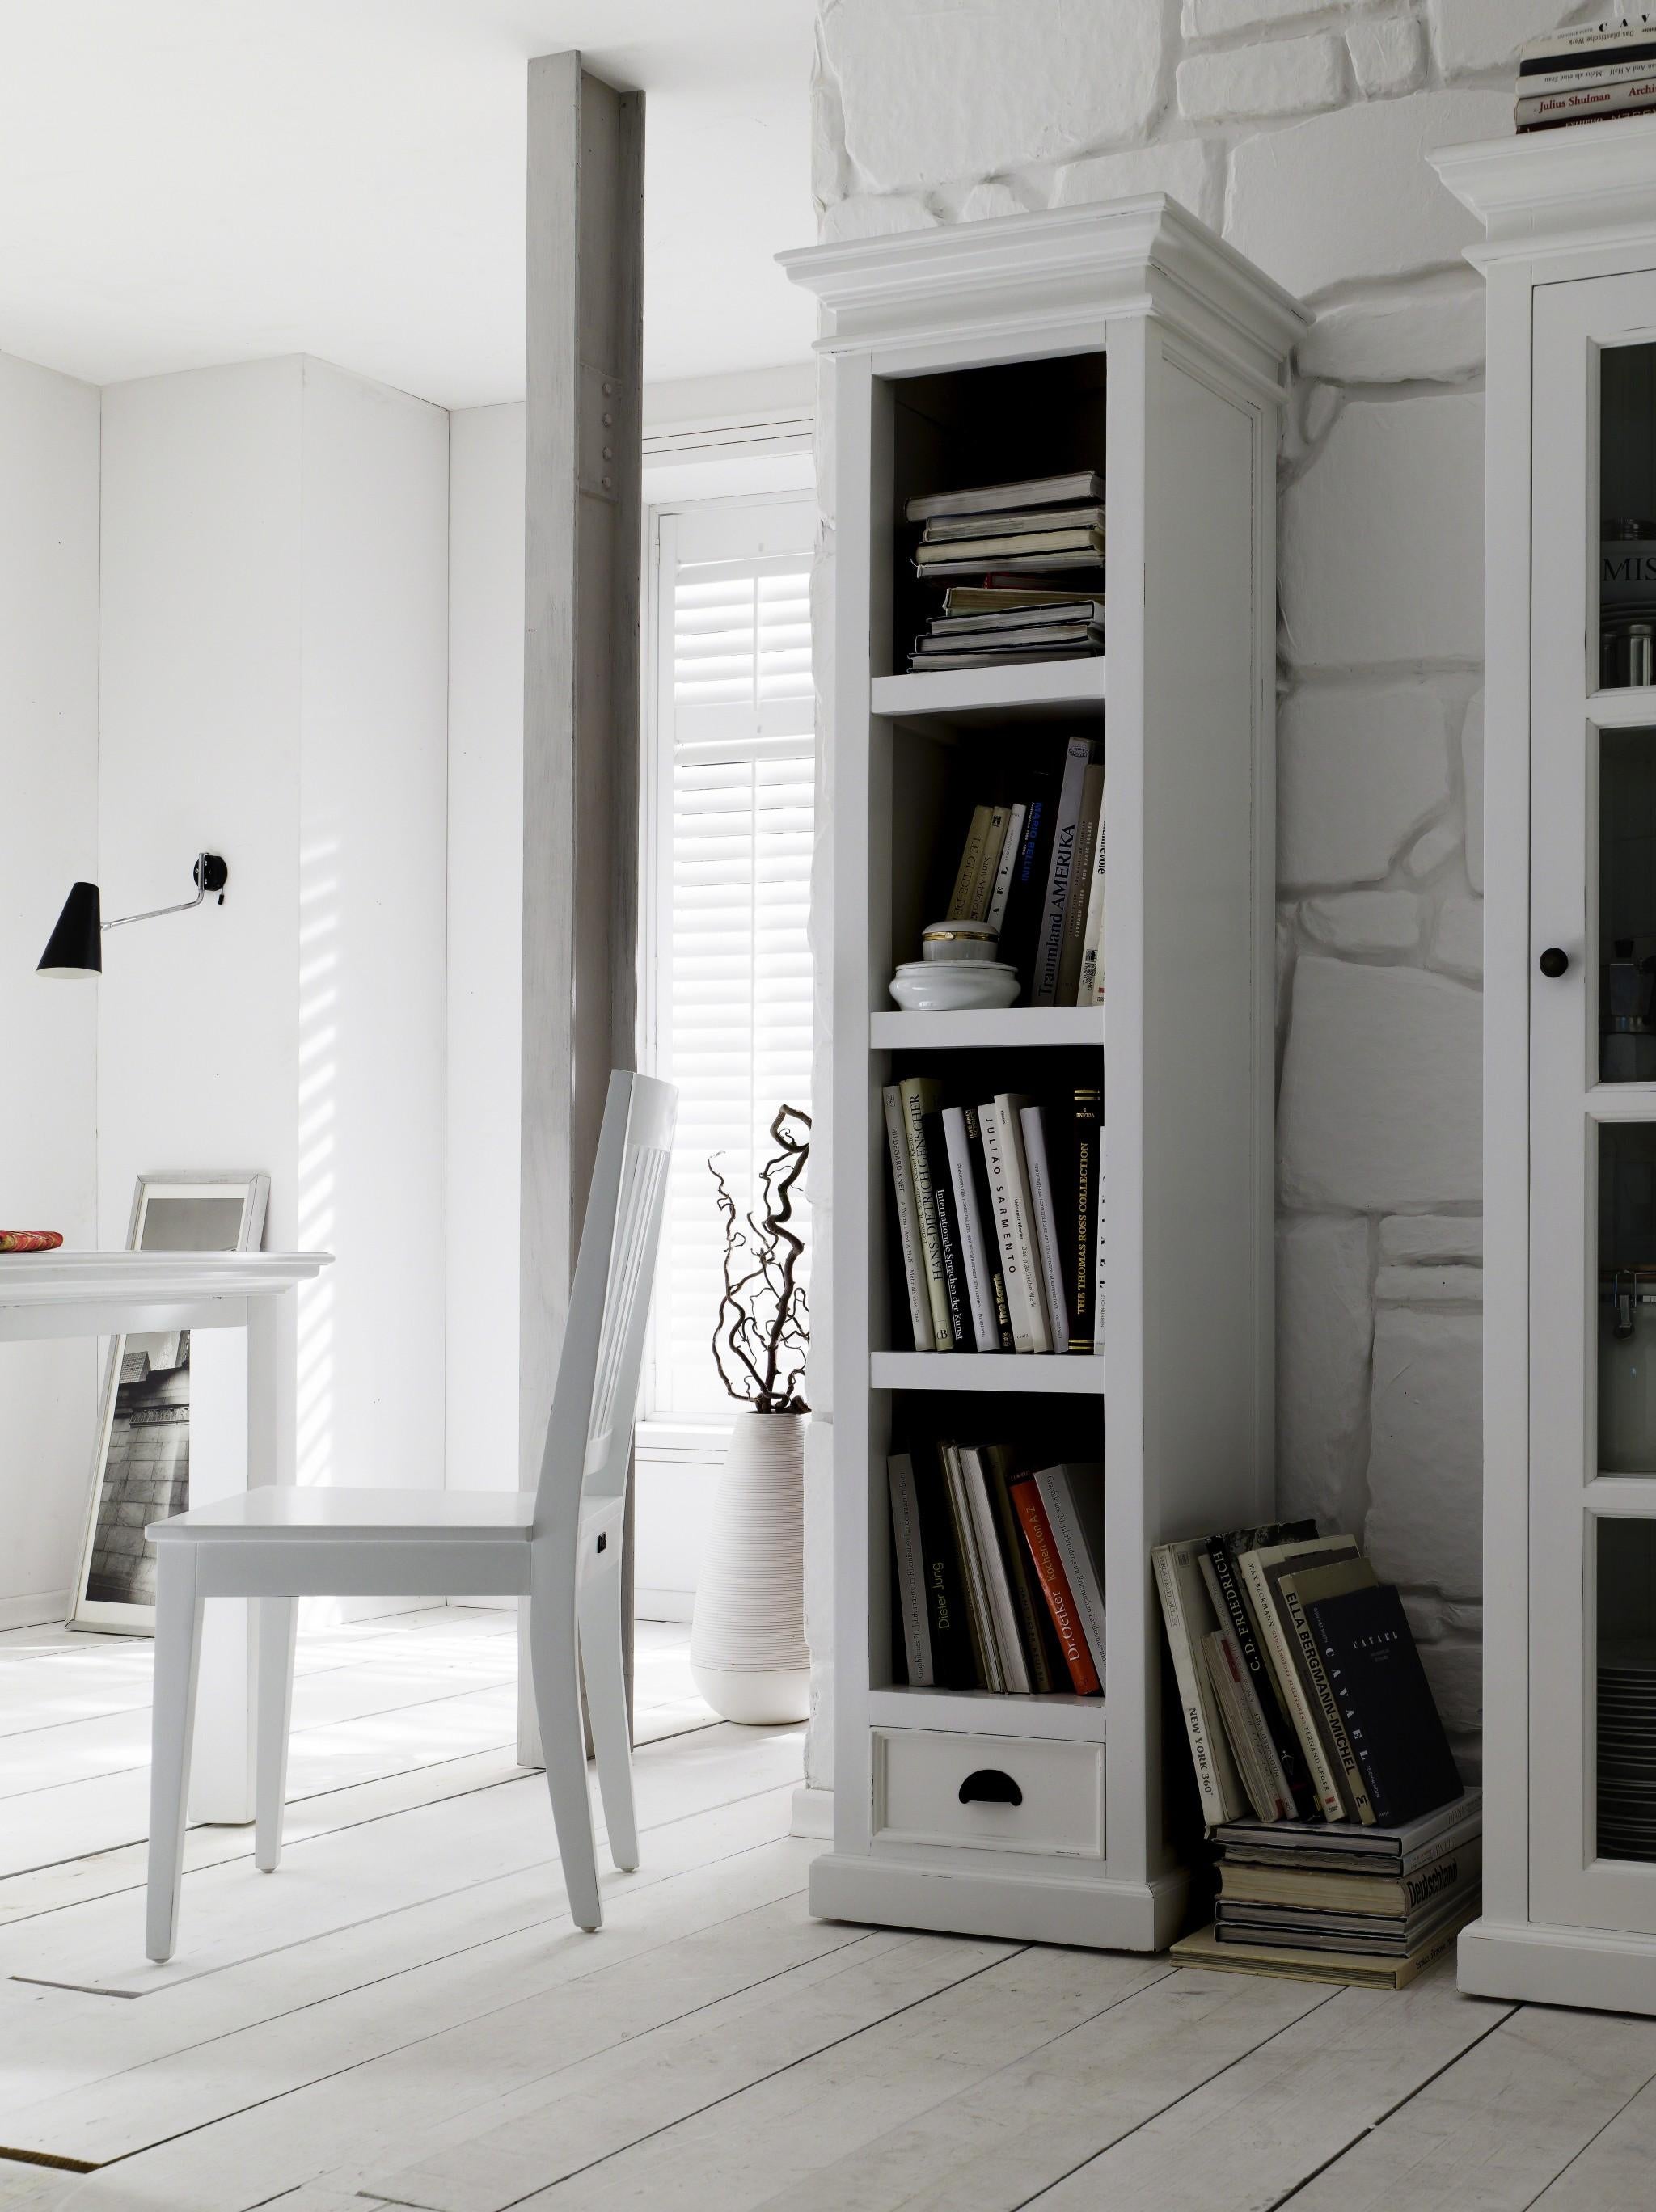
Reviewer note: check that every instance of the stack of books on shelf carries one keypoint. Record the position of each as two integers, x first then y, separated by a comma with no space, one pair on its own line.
1305,1706
1582,77
1000,535
997,1571
1000,1218
988,625
1031,866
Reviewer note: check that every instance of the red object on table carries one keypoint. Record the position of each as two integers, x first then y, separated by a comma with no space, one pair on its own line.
29,1240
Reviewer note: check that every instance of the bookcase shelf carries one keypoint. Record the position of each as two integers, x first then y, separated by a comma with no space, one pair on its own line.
1063,1374
1067,1718
1012,1028
1032,690
1129,341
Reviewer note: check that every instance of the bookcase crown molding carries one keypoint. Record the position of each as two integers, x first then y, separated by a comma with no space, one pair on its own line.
1049,272
1555,192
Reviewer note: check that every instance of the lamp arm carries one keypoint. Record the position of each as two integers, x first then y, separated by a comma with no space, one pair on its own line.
210,874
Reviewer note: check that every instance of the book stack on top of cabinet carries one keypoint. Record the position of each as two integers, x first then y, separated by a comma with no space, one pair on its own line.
1586,76
1306,1707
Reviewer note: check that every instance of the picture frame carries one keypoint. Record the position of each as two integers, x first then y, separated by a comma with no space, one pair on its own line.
140,1455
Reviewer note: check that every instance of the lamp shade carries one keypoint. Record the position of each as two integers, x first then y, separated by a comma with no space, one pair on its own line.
75,946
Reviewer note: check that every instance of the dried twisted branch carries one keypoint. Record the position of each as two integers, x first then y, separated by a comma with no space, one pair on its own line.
761,1330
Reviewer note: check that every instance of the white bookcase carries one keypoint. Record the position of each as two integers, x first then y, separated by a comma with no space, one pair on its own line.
1124,337
1569,1880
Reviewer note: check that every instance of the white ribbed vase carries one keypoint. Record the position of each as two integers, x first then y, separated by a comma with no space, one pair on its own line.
747,1649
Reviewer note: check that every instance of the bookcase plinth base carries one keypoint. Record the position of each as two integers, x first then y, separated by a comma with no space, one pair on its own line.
1098,1915
1533,1964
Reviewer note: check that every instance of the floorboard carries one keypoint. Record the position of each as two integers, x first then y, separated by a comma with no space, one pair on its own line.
1492,2133
405,2016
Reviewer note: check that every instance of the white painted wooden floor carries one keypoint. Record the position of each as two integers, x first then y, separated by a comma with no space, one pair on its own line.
405,2016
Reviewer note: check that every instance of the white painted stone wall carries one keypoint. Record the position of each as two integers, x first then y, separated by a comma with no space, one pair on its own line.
1299,128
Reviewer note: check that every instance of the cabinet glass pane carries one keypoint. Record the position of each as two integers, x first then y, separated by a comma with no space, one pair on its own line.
1627,511
1627,907
1627,1298
1626,1685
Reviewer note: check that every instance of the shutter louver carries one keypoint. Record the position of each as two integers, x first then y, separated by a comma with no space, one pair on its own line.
734,1028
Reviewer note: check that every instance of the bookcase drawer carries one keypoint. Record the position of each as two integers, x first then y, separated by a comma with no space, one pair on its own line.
1020,1793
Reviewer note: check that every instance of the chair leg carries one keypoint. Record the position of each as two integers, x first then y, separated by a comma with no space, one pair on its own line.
556,1669
277,1620
178,1649
603,1664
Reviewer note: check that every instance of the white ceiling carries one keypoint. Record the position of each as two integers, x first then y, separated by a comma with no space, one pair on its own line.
190,181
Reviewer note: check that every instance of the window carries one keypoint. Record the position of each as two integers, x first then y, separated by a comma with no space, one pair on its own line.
729,819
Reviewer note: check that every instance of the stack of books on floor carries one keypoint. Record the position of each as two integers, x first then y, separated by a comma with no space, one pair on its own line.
1305,1706
1368,1904
1583,77
1032,867
997,1569
1000,1218
999,535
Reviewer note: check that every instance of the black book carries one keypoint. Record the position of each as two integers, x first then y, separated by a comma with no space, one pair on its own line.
948,1232
1021,925
954,1666
1375,1674
1079,1228
1224,1551
1042,1650
991,1241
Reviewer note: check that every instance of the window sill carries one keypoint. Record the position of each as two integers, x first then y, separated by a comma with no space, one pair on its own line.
684,1443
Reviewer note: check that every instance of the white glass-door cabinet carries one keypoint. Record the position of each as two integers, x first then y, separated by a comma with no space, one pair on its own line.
1127,340
1569,1905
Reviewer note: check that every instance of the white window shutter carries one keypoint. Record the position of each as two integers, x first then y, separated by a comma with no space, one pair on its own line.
732,965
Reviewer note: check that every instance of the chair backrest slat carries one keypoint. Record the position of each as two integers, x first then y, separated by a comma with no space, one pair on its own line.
589,1436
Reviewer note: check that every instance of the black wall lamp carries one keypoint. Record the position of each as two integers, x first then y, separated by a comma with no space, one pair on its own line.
74,947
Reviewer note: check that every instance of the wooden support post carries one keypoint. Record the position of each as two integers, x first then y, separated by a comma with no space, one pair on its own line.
586,252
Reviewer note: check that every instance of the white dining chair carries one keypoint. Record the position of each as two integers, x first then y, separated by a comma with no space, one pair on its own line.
558,1545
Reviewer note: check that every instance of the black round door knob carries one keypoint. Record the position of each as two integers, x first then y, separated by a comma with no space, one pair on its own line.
989,1786
1554,962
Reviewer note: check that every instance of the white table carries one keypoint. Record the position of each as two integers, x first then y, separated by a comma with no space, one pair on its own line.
243,1423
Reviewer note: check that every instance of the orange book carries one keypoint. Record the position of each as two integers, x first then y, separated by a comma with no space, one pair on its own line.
1054,1586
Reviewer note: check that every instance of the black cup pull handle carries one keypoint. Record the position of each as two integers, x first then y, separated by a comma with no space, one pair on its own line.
1553,962
988,1786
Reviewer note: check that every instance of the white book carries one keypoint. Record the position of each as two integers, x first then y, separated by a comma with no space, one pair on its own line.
1044,1206
909,1546
908,1219
1013,1665
1598,38
1012,1266
1091,990
966,1533
1014,844
974,1254
1009,1107
1073,1498
1188,1613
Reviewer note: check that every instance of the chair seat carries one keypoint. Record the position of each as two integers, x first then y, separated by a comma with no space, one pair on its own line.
447,1517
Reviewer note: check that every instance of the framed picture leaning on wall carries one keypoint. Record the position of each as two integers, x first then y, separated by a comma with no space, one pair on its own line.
141,1459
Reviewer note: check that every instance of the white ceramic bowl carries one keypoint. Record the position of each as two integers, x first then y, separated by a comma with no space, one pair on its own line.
953,987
